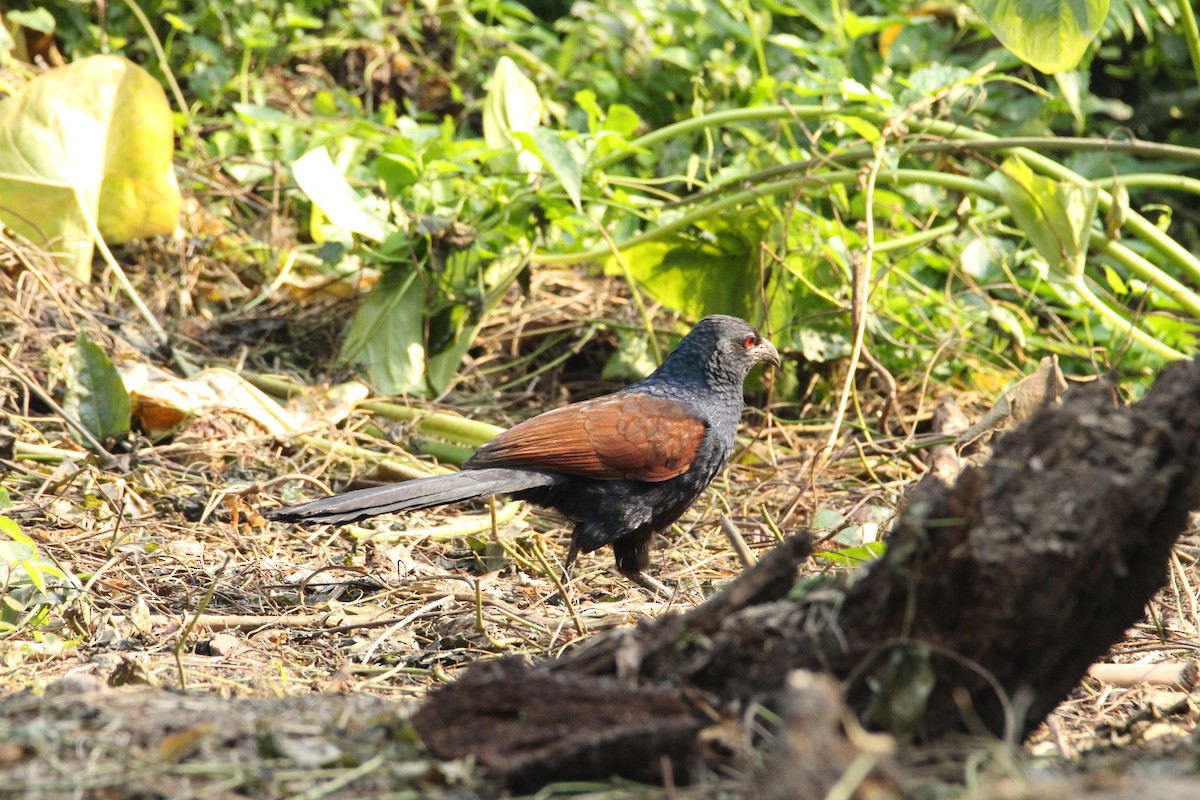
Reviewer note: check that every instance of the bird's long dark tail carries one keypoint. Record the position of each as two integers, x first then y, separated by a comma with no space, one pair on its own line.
411,495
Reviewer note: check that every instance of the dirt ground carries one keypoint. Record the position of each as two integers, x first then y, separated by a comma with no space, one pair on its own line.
195,650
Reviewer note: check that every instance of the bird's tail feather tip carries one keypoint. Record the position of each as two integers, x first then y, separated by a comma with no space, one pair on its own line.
412,495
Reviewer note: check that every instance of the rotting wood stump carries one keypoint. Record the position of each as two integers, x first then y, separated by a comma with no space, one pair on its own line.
993,598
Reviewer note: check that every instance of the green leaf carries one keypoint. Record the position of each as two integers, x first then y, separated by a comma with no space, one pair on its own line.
456,329
588,104
854,556
632,360
1118,286
327,188
93,140
819,346
39,19
34,573
860,126
512,106
19,547
555,153
386,336
621,120
179,23
1072,87
96,395
1056,216
714,272
1051,35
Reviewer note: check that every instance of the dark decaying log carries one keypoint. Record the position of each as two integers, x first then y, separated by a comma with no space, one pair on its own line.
994,597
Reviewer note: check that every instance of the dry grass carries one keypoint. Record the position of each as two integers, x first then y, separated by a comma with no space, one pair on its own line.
296,618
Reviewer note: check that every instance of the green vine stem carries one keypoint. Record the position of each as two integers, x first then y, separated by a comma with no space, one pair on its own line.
854,155
958,139
961,138
1180,183
1142,268
1121,325
960,183
900,177
1191,34
435,423
1139,225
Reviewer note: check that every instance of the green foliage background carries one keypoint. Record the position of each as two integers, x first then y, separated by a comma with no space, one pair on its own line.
734,151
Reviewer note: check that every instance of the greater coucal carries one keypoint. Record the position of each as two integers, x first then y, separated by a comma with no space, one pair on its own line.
621,466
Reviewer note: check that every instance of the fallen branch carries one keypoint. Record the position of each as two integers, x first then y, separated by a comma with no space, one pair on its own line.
1176,676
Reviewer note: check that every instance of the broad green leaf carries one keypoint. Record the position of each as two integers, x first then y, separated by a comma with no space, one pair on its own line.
693,278
715,272
854,556
51,215
1118,286
1071,86
454,327
556,154
512,106
386,336
632,360
34,573
96,395
860,126
1051,35
39,19
586,100
91,140
1172,331
16,546
621,120
1056,216
328,190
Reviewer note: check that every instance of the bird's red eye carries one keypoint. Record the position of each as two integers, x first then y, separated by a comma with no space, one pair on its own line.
750,342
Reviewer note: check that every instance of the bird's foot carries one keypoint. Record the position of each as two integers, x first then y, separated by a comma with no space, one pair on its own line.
652,585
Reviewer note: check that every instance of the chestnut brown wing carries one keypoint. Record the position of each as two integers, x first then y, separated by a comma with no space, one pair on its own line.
632,436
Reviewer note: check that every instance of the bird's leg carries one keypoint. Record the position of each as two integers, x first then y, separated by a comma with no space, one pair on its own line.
652,585
632,554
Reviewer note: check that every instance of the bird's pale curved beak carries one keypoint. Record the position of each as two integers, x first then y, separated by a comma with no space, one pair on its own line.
768,353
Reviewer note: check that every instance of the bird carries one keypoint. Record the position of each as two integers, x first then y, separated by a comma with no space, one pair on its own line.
622,467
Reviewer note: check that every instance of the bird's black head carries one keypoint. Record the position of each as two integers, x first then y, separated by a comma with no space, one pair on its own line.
723,348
